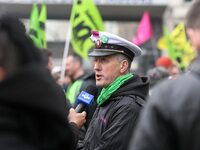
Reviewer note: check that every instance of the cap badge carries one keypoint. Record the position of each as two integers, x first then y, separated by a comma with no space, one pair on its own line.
104,39
98,43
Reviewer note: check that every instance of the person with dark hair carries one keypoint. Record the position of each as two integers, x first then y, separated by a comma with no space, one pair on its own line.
80,80
33,112
171,119
75,71
122,96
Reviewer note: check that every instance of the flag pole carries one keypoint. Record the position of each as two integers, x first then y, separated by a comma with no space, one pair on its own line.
65,53
66,48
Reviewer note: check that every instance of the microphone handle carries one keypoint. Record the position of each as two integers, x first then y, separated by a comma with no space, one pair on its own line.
80,108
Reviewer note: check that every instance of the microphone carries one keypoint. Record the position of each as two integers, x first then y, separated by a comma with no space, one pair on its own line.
85,98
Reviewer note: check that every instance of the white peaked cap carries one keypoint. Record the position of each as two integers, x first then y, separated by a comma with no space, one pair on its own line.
108,44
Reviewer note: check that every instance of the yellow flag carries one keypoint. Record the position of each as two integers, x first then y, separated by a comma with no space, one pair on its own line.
178,36
189,54
161,44
85,17
169,44
183,50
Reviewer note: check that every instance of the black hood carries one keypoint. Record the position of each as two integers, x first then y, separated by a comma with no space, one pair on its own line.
32,88
138,86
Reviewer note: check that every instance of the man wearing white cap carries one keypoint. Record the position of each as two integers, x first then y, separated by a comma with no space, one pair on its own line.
122,96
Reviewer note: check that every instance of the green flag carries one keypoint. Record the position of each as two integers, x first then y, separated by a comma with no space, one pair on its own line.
42,20
34,26
85,17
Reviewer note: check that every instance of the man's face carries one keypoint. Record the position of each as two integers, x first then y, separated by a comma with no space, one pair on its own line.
107,69
70,66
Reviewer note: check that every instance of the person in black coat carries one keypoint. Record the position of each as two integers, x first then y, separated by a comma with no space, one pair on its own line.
33,112
171,119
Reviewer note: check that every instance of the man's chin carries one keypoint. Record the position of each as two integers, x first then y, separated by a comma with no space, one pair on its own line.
99,84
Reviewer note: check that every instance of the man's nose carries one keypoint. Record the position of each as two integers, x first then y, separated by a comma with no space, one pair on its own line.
96,65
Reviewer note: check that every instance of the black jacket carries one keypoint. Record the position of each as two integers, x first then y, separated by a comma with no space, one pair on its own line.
33,112
171,118
113,122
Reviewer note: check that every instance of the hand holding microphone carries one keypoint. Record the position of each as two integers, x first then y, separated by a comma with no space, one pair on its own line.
84,100
77,118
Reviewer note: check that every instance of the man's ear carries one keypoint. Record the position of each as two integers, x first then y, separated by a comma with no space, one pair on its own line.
2,74
124,66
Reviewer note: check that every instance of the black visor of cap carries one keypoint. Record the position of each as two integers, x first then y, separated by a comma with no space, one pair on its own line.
109,49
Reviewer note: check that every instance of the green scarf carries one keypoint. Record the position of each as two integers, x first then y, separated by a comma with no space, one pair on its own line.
109,90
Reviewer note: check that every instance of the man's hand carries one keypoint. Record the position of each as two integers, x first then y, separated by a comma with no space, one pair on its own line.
77,118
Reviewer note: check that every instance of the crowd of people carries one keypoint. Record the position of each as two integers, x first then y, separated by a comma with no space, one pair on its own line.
159,111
